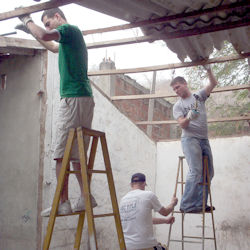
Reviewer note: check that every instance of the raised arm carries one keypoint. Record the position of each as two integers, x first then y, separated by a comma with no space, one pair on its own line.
43,36
212,80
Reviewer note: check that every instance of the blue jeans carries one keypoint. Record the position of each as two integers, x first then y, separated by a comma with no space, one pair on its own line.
193,149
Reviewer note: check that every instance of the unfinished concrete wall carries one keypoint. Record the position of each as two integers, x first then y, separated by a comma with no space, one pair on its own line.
21,144
130,151
230,193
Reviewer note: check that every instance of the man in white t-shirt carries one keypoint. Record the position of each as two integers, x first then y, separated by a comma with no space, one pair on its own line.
136,215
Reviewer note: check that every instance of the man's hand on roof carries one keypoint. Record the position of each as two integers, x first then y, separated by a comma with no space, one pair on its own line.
23,28
25,19
206,67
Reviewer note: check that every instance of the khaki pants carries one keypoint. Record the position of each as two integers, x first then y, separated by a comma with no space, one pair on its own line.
74,112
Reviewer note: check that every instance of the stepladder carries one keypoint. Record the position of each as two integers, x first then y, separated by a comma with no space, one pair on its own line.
87,169
187,238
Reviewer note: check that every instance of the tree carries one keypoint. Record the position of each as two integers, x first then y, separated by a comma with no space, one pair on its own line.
228,74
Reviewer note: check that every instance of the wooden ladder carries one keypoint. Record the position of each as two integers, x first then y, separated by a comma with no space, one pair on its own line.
206,182
86,172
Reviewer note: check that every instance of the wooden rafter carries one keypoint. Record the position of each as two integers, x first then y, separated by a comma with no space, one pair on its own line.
34,8
224,119
165,19
169,66
171,35
166,95
20,43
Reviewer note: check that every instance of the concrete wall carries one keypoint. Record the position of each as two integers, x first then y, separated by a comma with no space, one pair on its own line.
130,151
230,194
21,143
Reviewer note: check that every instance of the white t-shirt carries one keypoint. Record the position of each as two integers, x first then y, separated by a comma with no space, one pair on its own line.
136,217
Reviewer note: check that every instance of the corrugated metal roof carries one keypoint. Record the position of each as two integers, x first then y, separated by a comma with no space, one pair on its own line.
196,46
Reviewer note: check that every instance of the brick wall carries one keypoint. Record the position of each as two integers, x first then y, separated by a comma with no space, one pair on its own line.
137,110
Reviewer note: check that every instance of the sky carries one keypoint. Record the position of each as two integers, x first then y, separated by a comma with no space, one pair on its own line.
125,56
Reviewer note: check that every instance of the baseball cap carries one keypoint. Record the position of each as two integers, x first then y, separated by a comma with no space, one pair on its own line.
138,177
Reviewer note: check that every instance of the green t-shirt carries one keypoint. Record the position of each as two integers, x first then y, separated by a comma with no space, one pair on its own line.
73,63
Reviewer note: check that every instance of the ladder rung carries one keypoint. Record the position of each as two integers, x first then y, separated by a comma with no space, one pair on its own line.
196,237
75,213
186,241
95,216
91,132
97,171
179,212
103,215
181,182
89,171
73,172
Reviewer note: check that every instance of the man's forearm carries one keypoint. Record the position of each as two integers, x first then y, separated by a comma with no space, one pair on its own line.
170,208
159,221
212,82
183,122
39,33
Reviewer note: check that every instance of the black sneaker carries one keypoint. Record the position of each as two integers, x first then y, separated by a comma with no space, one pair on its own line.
208,209
198,210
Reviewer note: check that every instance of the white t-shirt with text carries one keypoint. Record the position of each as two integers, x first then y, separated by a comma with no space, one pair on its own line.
136,217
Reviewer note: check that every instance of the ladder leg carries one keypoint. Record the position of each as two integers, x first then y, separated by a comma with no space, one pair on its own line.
82,215
86,191
59,187
204,164
182,215
211,204
79,231
112,193
92,155
175,191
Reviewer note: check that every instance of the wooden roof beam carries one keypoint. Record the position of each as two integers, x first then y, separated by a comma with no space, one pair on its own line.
20,43
166,95
224,119
34,8
171,35
166,19
169,66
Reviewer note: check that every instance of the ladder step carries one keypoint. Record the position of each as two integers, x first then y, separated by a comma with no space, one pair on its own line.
181,182
73,172
186,241
103,215
73,213
89,170
196,237
179,212
97,171
80,212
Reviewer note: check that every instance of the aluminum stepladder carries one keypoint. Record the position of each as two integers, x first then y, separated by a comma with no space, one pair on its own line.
206,182
86,172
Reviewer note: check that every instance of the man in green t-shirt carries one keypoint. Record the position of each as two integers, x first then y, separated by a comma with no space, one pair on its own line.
77,103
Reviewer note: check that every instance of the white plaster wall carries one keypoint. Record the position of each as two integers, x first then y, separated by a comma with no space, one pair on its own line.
230,194
19,152
130,151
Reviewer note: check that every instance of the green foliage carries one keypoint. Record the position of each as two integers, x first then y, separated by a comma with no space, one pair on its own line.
228,74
